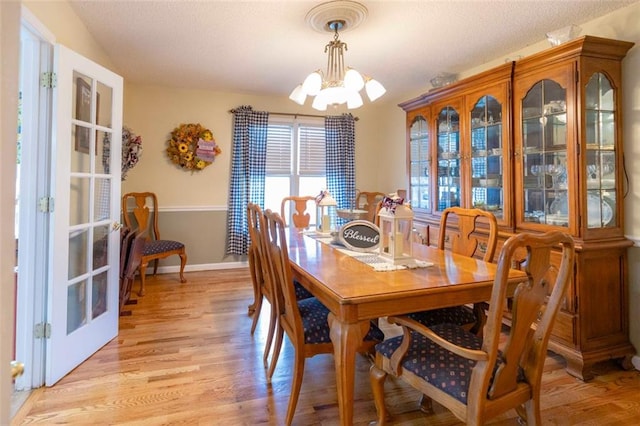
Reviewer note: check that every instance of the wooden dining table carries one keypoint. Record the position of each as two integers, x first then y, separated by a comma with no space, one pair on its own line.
355,294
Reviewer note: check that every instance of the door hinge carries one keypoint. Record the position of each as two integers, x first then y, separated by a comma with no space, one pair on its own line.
45,204
42,330
48,79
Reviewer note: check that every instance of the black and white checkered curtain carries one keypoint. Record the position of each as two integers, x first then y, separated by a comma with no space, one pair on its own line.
248,165
341,163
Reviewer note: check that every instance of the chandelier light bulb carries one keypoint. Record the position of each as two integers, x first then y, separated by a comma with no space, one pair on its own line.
374,89
354,100
298,95
312,84
353,80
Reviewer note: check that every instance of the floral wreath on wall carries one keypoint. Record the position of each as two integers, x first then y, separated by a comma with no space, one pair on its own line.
192,147
131,150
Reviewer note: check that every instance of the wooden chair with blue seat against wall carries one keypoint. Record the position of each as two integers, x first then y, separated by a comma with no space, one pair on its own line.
142,218
479,378
304,321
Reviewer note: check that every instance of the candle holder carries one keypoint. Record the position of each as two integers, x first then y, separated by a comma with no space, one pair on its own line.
326,213
396,226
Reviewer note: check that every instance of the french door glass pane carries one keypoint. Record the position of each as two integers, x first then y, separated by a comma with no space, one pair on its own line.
78,244
76,306
79,200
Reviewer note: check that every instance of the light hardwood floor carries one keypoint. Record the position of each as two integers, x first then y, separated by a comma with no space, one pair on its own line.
185,356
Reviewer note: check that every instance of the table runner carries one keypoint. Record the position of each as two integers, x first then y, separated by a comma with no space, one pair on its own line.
373,259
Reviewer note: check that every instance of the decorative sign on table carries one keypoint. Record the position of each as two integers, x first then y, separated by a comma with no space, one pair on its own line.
360,235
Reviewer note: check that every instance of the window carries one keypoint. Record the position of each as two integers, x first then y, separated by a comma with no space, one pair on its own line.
295,161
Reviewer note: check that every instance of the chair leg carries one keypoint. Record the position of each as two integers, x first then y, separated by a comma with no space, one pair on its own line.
276,351
257,294
377,378
273,319
155,266
257,307
532,408
183,262
143,273
296,384
426,404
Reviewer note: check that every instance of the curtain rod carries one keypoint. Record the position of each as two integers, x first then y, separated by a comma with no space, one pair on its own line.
290,114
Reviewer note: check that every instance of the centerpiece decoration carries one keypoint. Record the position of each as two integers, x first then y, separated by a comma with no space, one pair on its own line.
396,228
192,147
326,212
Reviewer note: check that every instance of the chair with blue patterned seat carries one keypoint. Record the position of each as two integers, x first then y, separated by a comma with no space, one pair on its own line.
463,241
479,378
155,248
305,322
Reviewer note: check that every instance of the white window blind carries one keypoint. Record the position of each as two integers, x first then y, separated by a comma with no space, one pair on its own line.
312,151
279,150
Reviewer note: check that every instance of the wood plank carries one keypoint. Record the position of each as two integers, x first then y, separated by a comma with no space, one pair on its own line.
185,355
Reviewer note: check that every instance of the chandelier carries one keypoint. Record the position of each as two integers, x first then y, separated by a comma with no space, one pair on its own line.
339,84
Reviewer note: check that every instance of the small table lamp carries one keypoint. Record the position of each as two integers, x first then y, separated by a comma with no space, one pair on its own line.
326,212
396,228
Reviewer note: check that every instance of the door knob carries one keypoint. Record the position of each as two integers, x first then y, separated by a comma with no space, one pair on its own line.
17,368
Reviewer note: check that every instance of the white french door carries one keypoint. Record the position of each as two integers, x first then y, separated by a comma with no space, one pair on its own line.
82,302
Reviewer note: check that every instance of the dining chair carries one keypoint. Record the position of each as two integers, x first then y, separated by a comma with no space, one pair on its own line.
305,322
479,378
131,250
368,201
155,248
260,277
298,212
463,241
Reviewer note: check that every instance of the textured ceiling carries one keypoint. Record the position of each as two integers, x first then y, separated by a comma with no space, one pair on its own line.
266,47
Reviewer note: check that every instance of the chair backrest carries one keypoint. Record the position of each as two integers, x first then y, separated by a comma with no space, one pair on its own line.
257,255
131,250
464,242
535,304
281,277
144,215
299,214
134,256
368,201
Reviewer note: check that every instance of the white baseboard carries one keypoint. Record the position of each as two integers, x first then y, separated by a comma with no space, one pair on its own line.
635,360
201,267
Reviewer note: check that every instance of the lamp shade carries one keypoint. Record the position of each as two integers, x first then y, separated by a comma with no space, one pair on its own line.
353,80
374,89
298,95
312,84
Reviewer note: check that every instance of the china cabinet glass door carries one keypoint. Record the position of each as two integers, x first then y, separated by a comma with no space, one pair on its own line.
544,154
600,113
420,163
486,156
449,159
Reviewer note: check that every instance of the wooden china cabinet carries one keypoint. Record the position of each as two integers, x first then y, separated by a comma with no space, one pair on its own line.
539,143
